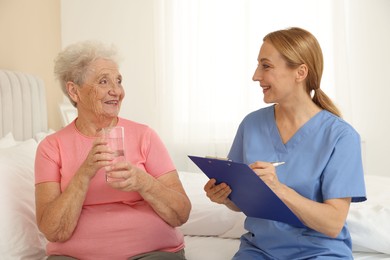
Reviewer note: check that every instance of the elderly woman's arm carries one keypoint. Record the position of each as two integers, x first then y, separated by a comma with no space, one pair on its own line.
168,198
57,212
164,194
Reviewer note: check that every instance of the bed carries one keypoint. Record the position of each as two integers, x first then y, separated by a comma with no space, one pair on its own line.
212,231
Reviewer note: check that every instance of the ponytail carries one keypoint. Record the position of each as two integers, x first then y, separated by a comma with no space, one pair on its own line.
324,102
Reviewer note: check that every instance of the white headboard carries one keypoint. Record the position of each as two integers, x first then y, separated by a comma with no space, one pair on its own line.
23,108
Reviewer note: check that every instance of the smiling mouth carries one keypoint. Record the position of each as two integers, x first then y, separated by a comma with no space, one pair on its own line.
265,88
112,102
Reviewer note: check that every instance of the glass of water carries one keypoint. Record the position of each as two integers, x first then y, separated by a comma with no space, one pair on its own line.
115,140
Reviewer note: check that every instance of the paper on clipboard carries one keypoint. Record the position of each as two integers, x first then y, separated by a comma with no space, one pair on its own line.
249,192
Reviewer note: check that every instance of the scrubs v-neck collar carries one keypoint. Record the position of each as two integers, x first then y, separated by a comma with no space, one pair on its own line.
305,130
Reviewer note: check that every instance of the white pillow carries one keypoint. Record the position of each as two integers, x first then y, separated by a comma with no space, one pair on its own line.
7,141
206,218
369,221
237,230
41,135
19,237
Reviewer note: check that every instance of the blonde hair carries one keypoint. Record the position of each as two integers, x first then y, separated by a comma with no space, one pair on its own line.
298,46
72,63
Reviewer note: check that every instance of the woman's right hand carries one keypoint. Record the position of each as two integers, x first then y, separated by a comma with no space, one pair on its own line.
99,156
217,193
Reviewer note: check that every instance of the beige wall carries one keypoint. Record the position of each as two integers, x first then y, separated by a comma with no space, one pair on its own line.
30,34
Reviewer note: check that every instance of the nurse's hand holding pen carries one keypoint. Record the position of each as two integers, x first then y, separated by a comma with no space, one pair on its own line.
267,172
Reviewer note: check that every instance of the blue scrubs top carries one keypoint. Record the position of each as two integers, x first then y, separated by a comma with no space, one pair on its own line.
323,161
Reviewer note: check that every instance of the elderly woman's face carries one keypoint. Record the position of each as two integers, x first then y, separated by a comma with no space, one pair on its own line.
102,93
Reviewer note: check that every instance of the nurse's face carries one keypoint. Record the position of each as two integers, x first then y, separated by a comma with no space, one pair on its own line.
276,79
101,94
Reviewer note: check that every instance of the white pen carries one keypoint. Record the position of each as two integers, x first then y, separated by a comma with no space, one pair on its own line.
275,164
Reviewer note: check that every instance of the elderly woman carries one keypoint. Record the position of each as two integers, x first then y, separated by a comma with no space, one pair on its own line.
84,216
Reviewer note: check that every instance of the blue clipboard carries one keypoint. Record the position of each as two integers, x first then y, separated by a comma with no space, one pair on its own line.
249,192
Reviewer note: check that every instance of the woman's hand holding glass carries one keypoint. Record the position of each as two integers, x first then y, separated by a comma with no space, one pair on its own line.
126,177
99,156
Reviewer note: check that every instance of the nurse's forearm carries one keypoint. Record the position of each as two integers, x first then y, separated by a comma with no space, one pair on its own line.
327,218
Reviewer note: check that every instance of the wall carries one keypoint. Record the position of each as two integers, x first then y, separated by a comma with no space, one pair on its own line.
363,97
128,25
369,55
30,39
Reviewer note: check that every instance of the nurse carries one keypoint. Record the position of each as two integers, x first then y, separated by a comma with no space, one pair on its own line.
323,170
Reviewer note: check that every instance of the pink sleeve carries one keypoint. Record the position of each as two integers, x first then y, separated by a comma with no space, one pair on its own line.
47,162
158,161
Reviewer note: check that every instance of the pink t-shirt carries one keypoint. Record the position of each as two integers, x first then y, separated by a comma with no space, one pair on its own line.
113,224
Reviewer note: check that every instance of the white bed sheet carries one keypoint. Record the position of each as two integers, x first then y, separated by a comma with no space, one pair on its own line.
216,248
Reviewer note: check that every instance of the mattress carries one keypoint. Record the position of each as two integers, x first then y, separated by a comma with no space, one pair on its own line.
215,248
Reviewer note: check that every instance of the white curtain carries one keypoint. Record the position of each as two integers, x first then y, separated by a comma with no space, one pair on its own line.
206,52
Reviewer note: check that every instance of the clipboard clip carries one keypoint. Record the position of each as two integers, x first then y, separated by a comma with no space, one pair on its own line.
225,159
218,158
